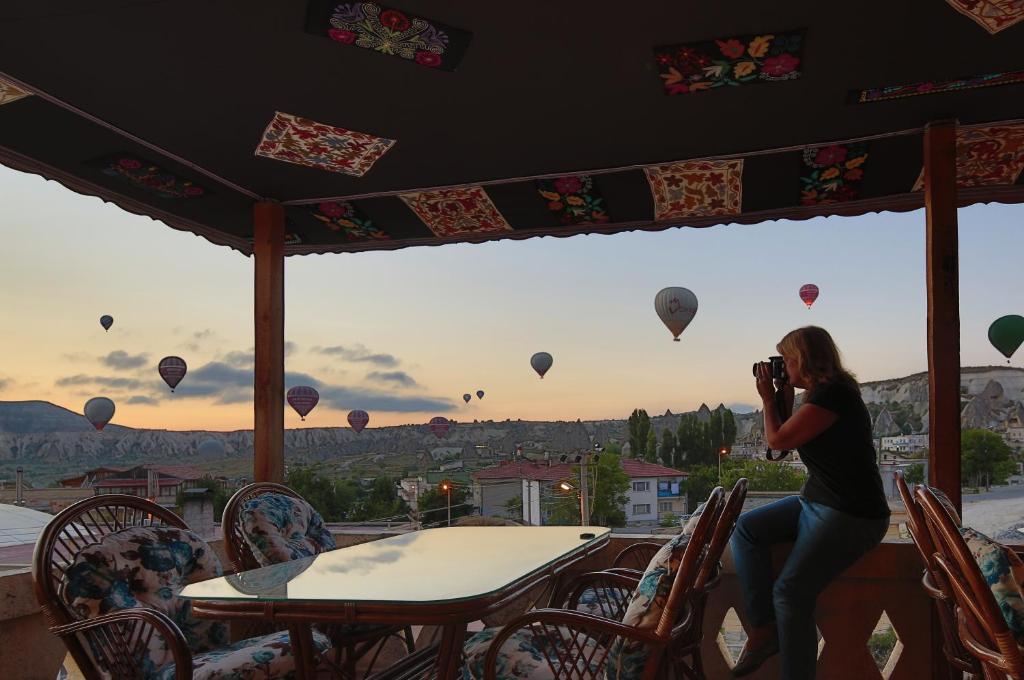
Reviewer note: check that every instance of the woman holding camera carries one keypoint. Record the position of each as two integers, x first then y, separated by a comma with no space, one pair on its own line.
840,514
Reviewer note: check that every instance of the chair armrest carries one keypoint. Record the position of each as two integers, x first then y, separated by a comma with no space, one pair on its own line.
634,573
576,625
637,553
123,637
612,591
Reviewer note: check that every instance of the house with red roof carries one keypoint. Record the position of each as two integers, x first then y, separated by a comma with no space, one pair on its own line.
160,483
517,489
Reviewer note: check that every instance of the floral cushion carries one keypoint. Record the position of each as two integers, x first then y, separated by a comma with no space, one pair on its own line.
259,658
1004,573
146,567
528,654
626,658
602,601
280,528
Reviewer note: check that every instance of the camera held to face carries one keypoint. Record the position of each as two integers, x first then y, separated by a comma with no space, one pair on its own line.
778,368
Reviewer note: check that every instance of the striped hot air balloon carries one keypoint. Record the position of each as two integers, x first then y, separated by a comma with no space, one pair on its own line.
358,420
676,308
808,293
439,425
98,411
172,370
302,399
106,321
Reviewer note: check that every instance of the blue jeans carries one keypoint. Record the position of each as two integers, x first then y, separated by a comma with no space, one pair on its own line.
825,542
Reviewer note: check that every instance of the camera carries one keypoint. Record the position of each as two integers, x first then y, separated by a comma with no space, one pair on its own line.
778,367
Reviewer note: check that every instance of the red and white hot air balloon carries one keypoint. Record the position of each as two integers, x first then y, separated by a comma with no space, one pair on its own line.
808,293
172,370
358,420
302,399
439,425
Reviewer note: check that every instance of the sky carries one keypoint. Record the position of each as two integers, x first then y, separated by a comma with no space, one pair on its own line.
404,334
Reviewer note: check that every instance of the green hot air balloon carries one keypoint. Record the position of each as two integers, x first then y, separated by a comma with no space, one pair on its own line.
1006,334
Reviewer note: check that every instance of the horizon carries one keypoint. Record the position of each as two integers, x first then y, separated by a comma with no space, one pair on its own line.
404,334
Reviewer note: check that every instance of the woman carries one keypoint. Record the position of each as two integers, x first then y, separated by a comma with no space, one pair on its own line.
840,514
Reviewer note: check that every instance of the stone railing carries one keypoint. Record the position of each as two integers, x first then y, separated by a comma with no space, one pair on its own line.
885,583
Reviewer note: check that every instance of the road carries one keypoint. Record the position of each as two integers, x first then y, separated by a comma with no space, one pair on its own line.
995,512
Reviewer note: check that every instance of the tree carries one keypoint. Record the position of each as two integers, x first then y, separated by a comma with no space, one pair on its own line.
381,503
639,427
668,448
761,476
333,499
985,457
914,474
608,485
613,447
715,438
514,507
651,447
728,428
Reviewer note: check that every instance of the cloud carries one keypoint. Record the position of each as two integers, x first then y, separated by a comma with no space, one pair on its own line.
107,382
241,359
140,399
4,382
290,348
358,353
203,334
397,377
226,384
122,361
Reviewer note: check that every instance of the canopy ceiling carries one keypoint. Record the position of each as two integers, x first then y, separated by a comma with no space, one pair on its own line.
506,120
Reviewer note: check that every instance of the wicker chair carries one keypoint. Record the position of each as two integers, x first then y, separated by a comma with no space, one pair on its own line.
982,629
352,642
934,581
120,642
571,643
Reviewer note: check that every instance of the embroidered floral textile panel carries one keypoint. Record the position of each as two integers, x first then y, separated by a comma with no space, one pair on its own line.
9,92
456,212
303,141
690,67
696,188
832,173
147,176
350,221
388,30
987,156
573,199
992,15
878,94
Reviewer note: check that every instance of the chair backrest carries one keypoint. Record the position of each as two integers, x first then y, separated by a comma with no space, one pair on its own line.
938,588
239,553
697,550
85,523
972,593
277,526
723,529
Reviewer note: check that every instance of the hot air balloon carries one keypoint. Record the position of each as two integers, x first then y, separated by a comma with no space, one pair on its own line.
302,399
479,394
106,321
676,307
358,420
808,293
211,448
466,397
439,425
1006,334
541,362
99,411
172,370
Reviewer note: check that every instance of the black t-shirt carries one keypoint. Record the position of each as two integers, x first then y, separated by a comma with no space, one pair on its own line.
841,460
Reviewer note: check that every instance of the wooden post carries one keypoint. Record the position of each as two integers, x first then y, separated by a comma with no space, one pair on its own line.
943,276
268,316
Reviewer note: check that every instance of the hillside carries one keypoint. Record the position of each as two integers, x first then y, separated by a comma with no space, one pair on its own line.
50,441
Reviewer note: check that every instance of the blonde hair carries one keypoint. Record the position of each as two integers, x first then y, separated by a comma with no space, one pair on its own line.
820,361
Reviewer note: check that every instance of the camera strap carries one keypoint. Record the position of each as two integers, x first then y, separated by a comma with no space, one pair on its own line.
768,455
780,408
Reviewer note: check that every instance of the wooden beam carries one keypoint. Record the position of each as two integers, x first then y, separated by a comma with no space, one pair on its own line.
943,308
268,317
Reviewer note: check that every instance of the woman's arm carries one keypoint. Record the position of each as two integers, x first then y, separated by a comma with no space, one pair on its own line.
803,426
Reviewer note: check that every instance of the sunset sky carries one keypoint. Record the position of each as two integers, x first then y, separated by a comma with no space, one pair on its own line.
404,334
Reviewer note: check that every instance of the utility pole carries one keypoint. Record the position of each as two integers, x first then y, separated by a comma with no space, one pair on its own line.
584,492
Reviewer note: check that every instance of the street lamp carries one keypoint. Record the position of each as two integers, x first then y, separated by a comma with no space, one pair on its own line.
446,486
722,453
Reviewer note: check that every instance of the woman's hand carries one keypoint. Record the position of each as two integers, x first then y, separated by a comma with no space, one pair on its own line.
764,382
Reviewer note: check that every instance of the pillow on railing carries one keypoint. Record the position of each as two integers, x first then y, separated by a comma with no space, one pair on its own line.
280,528
1004,573
146,567
626,658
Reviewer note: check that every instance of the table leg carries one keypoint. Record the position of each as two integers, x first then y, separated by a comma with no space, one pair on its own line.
301,635
449,656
